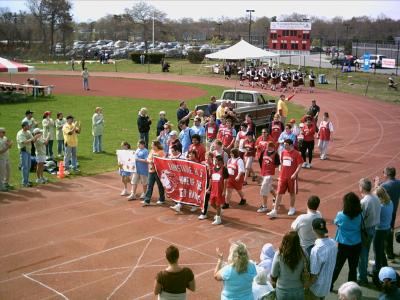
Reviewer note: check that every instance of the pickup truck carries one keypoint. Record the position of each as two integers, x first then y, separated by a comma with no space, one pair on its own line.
261,109
375,61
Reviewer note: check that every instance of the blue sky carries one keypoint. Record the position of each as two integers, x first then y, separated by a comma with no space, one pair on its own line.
84,10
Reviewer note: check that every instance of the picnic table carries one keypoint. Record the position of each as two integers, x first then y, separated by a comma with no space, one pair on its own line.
45,90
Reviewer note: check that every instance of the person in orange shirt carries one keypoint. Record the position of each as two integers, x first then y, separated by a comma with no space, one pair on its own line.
156,150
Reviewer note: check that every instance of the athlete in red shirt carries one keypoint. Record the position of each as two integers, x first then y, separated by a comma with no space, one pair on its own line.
250,147
308,131
227,135
218,179
270,160
276,128
325,135
236,176
261,144
198,147
291,162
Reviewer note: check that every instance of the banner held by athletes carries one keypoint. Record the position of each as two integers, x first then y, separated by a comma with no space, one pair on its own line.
184,181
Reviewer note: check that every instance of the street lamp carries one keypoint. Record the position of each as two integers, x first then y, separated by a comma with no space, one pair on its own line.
250,11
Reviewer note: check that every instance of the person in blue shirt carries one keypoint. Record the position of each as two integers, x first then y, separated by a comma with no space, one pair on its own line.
392,187
286,135
382,230
237,275
142,171
348,236
185,137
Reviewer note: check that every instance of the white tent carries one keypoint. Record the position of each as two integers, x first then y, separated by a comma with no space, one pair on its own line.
242,50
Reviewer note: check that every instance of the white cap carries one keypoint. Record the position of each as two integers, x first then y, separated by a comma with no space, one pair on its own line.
37,130
173,132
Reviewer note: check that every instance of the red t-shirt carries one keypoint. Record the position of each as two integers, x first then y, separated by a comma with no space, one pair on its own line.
308,132
201,151
290,160
250,147
268,164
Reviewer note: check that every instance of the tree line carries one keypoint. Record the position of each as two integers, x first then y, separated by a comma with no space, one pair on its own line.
47,22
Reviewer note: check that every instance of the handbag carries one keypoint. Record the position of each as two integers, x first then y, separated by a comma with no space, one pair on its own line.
305,275
365,237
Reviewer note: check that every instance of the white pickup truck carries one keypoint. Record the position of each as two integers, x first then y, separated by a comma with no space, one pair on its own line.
375,61
261,108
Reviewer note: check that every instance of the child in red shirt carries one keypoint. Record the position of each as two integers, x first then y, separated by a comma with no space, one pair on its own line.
250,147
218,180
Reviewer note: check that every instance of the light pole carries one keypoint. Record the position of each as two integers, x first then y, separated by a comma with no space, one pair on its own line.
250,11
219,30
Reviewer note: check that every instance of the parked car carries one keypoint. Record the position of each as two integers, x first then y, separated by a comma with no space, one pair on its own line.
375,61
343,60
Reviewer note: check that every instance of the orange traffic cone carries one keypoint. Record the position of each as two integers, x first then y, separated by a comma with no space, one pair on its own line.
61,170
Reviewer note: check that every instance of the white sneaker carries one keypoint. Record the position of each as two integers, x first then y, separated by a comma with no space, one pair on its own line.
304,165
217,221
272,214
142,196
308,166
176,207
193,209
160,202
291,211
202,217
66,173
132,196
124,192
262,209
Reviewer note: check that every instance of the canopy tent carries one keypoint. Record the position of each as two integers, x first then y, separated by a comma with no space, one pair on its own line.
242,50
8,66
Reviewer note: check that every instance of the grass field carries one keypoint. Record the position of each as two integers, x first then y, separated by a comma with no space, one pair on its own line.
120,124
354,82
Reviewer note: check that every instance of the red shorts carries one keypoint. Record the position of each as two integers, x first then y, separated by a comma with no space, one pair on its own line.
287,184
233,184
217,200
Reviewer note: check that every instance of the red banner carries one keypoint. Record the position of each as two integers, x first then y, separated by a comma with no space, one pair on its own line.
183,181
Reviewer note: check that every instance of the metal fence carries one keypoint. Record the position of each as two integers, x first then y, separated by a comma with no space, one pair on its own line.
389,50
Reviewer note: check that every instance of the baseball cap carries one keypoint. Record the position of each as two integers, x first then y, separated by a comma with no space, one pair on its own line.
37,130
24,124
319,225
173,132
387,273
28,112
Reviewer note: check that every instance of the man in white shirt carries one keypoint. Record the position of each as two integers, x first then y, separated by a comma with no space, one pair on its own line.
322,262
303,224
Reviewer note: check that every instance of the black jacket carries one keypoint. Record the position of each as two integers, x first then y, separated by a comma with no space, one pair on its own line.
143,123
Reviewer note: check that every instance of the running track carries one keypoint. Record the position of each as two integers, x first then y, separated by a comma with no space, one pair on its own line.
78,239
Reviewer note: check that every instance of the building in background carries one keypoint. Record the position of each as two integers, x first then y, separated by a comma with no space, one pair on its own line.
290,38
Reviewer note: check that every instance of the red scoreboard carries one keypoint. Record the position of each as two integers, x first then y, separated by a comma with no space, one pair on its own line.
290,37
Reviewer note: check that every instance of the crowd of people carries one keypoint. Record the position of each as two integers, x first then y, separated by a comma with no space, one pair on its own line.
308,262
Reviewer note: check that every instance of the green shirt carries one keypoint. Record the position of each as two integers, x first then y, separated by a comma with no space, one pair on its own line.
97,124
48,128
3,145
23,136
40,146
59,126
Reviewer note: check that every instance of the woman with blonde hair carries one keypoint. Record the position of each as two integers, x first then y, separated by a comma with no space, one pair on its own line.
382,231
237,274
287,268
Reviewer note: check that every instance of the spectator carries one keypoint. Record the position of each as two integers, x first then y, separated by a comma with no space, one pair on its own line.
198,128
97,130
303,224
314,110
266,257
261,287
287,268
142,171
237,275
71,130
156,150
172,141
40,146
322,262
174,280
371,209
183,113
220,112
213,106
48,133
85,77
349,291
287,134
24,142
211,129
348,236
143,123
161,122
59,124
125,175
392,187
282,108
32,123
382,231
185,137
388,277
5,145
164,136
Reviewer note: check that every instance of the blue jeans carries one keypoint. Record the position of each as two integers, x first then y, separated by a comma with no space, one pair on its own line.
60,147
145,136
25,158
85,83
97,140
153,178
49,148
70,156
363,262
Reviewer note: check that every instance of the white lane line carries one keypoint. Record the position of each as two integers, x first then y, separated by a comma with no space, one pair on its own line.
46,286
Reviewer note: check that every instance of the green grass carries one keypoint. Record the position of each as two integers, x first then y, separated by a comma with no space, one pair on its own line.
120,124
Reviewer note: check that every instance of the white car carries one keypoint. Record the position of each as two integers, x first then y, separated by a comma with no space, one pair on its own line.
375,61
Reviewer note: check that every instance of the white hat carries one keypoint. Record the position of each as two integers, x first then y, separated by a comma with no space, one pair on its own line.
173,132
37,130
